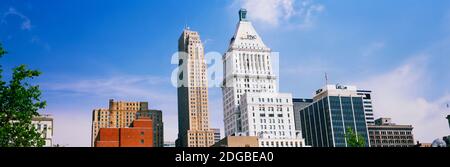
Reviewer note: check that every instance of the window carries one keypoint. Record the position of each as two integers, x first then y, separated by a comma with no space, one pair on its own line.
142,133
142,141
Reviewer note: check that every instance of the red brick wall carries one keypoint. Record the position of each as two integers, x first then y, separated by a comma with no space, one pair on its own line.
141,135
108,134
145,122
136,137
107,144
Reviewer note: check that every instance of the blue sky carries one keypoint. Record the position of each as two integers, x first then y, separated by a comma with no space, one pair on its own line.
91,51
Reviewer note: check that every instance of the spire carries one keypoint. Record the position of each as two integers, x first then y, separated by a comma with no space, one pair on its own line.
243,14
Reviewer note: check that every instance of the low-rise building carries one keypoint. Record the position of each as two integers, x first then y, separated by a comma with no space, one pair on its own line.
238,141
387,134
139,134
44,125
169,144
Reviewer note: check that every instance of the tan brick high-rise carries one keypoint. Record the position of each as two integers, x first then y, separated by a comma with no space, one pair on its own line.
119,115
193,119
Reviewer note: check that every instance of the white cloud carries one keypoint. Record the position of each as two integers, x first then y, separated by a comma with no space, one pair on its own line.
26,22
26,26
290,13
401,95
118,86
372,49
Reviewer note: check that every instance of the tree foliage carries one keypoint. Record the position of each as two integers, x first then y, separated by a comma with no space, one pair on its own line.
354,140
19,103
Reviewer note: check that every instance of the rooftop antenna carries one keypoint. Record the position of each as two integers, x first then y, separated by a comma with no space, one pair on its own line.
186,27
243,14
326,78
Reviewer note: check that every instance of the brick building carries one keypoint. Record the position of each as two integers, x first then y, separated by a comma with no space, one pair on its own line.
139,134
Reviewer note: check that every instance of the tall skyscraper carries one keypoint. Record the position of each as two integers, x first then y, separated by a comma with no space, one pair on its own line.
335,108
193,117
368,107
247,68
158,126
251,102
120,114
384,133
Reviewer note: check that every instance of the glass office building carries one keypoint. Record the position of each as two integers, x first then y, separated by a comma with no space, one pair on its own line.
335,109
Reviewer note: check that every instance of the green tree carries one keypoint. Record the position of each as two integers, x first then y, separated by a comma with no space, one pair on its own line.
354,140
19,103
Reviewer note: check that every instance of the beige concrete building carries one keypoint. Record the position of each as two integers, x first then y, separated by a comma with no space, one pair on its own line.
238,141
387,134
193,117
120,114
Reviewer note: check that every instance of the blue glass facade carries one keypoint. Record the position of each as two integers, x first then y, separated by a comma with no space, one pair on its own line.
325,121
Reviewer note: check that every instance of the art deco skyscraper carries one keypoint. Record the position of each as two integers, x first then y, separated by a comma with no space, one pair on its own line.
193,119
248,68
251,101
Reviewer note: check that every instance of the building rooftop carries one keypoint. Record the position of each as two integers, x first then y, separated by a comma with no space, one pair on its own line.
302,100
387,123
44,117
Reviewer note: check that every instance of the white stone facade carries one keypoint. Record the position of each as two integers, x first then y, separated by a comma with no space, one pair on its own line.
44,125
248,79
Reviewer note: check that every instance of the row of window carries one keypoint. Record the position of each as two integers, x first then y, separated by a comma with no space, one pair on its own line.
392,141
390,132
391,137
280,144
271,100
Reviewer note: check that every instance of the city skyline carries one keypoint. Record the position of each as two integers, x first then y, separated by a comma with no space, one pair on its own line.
92,52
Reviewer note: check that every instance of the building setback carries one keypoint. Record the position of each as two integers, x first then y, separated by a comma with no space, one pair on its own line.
44,125
335,108
270,117
139,134
193,117
387,134
158,126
